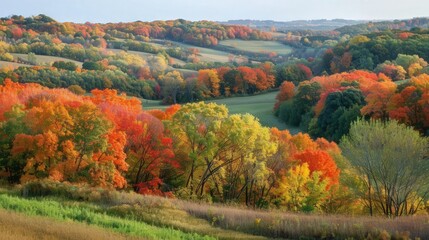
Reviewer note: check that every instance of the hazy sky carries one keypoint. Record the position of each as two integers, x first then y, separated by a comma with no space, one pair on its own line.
218,10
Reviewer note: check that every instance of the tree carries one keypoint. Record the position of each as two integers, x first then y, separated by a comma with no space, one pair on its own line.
395,72
287,91
91,66
337,103
302,189
171,83
392,161
322,162
210,79
196,129
378,100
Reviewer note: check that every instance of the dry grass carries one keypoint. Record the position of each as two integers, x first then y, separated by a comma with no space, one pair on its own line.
257,46
231,222
14,226
145,55
12,64
169,213
205,54
43,59
277,224
113,209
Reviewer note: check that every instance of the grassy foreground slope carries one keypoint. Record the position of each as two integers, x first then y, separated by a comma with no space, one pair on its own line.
131,214
19,226
72,211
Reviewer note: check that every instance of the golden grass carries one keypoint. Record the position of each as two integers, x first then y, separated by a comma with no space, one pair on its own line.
235,222
277,224
12,64
16,226
169,213
43,59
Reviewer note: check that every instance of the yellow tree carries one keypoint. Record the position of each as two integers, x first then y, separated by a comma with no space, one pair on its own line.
301,190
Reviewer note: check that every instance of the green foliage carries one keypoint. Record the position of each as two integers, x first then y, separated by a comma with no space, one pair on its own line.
370,50
292,112
8,130
341,108
91,66
65,65
392,161
87,80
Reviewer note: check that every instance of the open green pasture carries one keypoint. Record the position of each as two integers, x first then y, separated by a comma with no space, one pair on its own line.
260,106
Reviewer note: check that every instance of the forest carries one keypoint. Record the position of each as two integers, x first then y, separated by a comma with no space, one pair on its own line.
116,117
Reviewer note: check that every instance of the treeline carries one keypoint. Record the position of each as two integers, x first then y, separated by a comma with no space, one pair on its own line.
201,33
194,151
381,26
326,106
200,151
370,50
86,80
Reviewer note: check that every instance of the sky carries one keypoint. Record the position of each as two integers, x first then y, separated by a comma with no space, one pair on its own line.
101,11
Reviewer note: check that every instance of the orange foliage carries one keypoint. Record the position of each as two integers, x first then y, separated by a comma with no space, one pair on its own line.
320,161
378,100
287,91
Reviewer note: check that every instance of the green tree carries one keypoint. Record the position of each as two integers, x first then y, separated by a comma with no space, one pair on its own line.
196,129
341,108
172,83
392,161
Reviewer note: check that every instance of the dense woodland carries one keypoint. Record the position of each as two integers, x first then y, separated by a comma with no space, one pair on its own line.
361,101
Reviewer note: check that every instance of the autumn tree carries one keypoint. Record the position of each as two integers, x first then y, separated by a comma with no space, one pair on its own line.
322,162
287,91
196,129
302,190
172,83
210,79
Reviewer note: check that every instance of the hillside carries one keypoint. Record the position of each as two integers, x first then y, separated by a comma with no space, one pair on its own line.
314,25
177,129
379,26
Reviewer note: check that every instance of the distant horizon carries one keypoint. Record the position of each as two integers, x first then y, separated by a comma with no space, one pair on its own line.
97,11
238,19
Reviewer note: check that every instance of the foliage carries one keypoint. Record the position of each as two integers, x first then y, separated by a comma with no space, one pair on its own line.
393,168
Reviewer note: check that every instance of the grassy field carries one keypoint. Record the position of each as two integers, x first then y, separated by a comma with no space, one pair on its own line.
145,55
84,213
185,72
257,46
12,64
206,54
276,224
42,59
19,226
260,106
